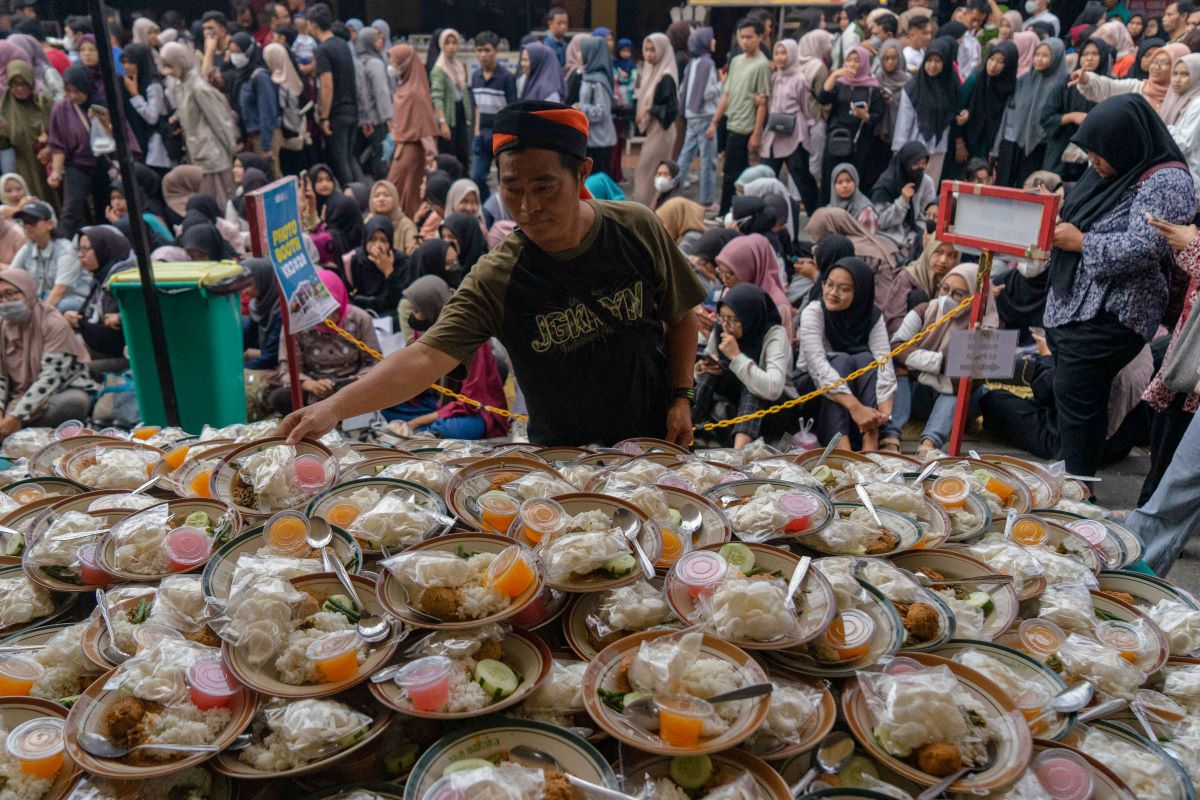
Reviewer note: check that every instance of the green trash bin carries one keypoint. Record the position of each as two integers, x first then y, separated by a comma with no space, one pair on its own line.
202,318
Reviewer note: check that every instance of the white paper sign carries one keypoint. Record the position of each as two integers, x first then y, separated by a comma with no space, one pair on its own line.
998,219
982,353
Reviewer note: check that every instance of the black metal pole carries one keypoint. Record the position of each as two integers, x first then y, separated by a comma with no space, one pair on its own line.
140,243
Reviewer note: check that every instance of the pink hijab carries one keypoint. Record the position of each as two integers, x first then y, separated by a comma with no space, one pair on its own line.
338,289
1155,92
1026,42
864,76
753,261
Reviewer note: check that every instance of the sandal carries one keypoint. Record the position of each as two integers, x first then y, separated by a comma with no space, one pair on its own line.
890,445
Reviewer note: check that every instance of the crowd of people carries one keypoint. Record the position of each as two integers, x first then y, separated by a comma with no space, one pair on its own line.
809,235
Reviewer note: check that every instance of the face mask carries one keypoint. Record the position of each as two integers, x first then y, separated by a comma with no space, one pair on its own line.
15,311
418,324
239,60
931,225
1031,6
663,184
392,72
916,176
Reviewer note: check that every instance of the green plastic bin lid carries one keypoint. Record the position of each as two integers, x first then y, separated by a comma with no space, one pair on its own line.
194,273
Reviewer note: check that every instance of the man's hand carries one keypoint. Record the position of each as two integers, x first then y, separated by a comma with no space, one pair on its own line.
729,346
866,418
368,130
112,321
327,128
444,129
1067,237
9,426
752,145
72,318
679,423
313,421
54,179
321,388
710,132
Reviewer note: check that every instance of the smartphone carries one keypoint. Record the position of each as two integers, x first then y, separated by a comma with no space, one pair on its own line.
1038,332
99,109
303,179
858,104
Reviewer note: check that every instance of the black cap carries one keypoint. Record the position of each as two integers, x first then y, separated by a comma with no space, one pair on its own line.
24,4
36,211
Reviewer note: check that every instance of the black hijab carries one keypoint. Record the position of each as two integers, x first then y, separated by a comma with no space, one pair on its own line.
153,237
365,276
362,195
1090,15
255,161
253,179
202,209
829,250
80,77
207,238
437,186
751,215
952,31
149,184
849,330
143,59
344,223
1128,133
430,259
253,53
988,99
935,100
450,165
337,187
756,312
265,306
472,244
1146,46
898,174
712,241
110,246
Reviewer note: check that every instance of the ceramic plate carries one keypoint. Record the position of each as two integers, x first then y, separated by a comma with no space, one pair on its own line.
883,575
952,564
212,784
1043,486
45,462
1175,781
1111,545
373,464
1145,589
813,731
905,530
1012,741
43,634
78,459
427,498
816,604
65,579
225,523
729,495
1021,498
487,474
649,537
265,678
33,489
1105,783
63,602
934,520
96,636
731,763
1109,607
17,710
193,478
493,738
575,627
218,574
525,653
602,673
227,475
714,525
393,597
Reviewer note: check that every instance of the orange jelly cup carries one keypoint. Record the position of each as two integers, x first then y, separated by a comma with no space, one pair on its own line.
342,513
681,719
18,674
199,484
673,545
1040,637
509,573
287,532
38,745
850,634
499,511
335,655
176,457
950,491
1028,531
542,517
999,488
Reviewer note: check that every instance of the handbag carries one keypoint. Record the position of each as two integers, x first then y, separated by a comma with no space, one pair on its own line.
1181,371
781,123
840,144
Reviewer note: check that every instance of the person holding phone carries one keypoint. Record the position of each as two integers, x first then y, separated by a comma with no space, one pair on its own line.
856,106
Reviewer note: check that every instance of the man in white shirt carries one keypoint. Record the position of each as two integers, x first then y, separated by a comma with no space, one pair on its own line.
52,261
920,32
1039,12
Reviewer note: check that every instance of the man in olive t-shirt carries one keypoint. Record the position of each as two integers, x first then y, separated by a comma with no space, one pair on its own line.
743,106
592,300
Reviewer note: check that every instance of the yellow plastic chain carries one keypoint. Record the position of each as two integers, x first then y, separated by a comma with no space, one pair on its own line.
709,426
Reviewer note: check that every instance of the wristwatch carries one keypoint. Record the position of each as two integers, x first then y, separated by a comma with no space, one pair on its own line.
687,393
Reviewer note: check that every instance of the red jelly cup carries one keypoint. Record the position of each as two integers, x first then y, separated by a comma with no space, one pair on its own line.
799,508
90,571
1064,775
309,471
186,548
210,685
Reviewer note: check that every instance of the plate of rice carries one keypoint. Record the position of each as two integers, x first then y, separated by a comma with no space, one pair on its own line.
52,547
326,610
110,465
258,478
193,783
949,564
383,514
177,603
753,510
45,462
133,548
67,670
495,474
24,603
21,785
598,619
726,767
31,490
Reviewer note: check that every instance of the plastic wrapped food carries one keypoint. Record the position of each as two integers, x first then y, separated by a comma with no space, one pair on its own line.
701,475
649,498
900,497
846,588
1181,625
251,567
156,674
559,697
429,474
179,603
1069,606
790,716
258,617
292,734
1007,558
760,518
449,586
138,542
537,484
1147,776
504,781
632,608
27,442
112,468
393,522
637,471
22,600
266,481
1103,666
780,469
56,549
1019,687
749,608
574,555
135,502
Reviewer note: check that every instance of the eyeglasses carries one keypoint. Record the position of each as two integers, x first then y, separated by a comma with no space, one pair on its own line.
8,297
85,248
839,288
728,321
953,294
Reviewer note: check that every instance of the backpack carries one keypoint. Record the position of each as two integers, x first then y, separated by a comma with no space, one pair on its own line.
293,127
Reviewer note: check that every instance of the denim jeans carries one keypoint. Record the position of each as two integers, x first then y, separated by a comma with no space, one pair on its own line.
481,166
901,409
472,427
938,410
340,149
1172,513
694,143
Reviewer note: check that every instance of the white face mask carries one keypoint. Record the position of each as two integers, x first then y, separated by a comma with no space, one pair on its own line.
1031,6
393,72
239,60
662,184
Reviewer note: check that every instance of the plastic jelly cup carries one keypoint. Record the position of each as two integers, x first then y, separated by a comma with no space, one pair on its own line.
675,482
210,685
1032,704
700,571
800,508
498,511
145,432
850,634
186,548
1159,706
198,485
1091,531
674,545
29,493
335,655
309,471
1040,637
681,718
1125,638
39,745
1063,774
66,430
509,573
176,456
1028,531
950,491
427,681
90,571
542,517
18,674
287,532
902,665
149,634
999,488
342,513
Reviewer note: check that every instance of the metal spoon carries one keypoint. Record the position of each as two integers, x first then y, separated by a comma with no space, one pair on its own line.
1068,701
974,454
147,484
643,712
544,760
980,580
318,538
1010,519
866,501
372,628
794,584
1101,710
414,610
692,518
833,442
110,651
625,520
925,473
474,509
834,752
103,747
939,788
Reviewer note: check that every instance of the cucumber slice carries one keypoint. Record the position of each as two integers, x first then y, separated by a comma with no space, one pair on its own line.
691,772
498,680
14,545
633,697
620,566
981,600
198,519
822,473
465,764
676,517
851,774
738,556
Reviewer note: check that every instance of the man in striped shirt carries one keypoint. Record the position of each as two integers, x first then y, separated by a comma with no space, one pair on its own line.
492,88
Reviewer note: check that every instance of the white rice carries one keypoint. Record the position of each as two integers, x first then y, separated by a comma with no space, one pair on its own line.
18,784
293,665
65,663
183,723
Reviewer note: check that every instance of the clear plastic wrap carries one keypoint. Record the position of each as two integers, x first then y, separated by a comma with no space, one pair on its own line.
727,456
651,499
748,608
1069,606
135,502
137,542
1024,692
270,474
637,607
537,484
393,522
662,664
560,695
156,674
743,787
27,442
179,603
1181,625
790,716
838,570
114,468
1103,666
314,729
1007,558
505,781
567,556
639,470
780,469
22,600
431,570
458,643
902,497
429,474
266,565
757,450
258,617
700,474
56,548
1057,568
760,518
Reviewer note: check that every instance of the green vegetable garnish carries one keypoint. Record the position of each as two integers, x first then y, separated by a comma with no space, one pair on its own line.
614,700
141,612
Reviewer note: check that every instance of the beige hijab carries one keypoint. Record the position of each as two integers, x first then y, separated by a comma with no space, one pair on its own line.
663,66
283,72
23,344
456,70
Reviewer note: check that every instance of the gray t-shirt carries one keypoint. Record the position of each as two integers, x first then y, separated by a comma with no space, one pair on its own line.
57,263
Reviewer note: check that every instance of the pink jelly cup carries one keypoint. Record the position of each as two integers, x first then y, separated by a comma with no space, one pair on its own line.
309,471
210,685
676,482
90,571
427,681
66,430
186,548
1063,774
800,507
700,571
1091,531
902,665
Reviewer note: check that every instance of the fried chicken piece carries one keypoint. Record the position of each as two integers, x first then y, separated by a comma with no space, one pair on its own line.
622,680
124,719
557,787
932,574
490,649
885,542
922,621
1124,597
440,601
308,606
939,759
204,636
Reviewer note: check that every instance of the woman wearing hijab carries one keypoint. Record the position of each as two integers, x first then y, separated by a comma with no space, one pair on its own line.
435,257
596,101
341,231
1011,23
469,240
747,362
253,179
1066,108
145,104
667,183
43,365
360,193
838,335
1108,290
412,121
573,69
327,361
257,98
785,138
433,210
1023,138
893,76
928,106
684,221
846,195
26,118
750,259
1026,42
454,419
261,333
1097,88
856,106
51,79
1114,34
752,215
448,81
544,80
102,248
1137,64
377,93
901,194
1181,111
704,263
385,201
657,106
290,89
203,242
934,395
375,270
700,91
206,119
463,198
178,186
987,90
